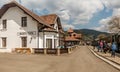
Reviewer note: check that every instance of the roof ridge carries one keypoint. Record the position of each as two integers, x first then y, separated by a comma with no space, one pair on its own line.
48,15
30,13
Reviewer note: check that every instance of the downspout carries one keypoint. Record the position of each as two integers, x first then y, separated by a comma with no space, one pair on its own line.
64,41
43,39
59,38
38,38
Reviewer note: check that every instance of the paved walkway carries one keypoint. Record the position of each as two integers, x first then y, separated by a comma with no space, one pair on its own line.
81,60
115,59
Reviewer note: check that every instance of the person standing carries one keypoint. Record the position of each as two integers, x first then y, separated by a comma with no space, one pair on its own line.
98,45
94,44
113,48
105,47
109,46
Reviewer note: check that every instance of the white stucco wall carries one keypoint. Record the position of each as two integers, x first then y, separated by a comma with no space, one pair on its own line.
51,35
13,16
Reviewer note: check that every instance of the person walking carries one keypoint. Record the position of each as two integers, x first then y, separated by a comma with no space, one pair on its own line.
113,48
101,45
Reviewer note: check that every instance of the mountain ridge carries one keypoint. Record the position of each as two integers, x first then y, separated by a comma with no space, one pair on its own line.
90,32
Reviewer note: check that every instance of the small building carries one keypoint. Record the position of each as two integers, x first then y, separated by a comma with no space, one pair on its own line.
21,28
72,38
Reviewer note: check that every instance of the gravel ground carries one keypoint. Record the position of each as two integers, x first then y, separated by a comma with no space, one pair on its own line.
81,60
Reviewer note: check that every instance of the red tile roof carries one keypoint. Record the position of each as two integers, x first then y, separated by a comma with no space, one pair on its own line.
78,36
68,38
73,36
49,19
70,30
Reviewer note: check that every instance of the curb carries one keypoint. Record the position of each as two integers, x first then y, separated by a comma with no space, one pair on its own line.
106,60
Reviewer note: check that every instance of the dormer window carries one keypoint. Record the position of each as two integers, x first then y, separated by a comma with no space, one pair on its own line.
74,35
24,21
52,25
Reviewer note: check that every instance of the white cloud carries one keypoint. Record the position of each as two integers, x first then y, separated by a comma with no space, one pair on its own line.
79,11
4,2
105,21
114,5
67,26
64,15
101,28
110,4
82,11
103,25
116,11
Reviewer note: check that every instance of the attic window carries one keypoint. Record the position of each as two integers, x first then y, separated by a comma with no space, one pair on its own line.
52,25
24,21
4,24
74,35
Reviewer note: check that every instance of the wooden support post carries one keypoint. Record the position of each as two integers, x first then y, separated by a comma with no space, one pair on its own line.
32,50
69,50
45,51
58,51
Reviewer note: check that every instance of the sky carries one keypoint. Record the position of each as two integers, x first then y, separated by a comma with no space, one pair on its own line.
77,14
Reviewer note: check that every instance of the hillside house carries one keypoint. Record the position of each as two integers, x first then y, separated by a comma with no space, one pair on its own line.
72,38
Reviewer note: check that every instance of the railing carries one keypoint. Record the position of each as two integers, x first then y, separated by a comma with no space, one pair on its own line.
63,50
51,51
56,51
38,50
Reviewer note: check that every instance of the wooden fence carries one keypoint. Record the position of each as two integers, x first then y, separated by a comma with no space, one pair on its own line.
56,51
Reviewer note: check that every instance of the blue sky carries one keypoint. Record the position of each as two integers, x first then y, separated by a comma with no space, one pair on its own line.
77,14
94,21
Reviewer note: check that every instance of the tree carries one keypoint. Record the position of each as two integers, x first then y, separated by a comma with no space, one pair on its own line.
101,36
114,24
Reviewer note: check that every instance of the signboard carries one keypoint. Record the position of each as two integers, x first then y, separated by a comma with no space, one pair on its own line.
21,33
26,33
32,32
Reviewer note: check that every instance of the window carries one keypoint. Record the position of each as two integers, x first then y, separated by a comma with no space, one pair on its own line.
24,41
4,42
52,25
4,24
49,43
74,35
24,22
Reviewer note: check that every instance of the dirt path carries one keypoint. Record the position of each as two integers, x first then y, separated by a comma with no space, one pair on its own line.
82,60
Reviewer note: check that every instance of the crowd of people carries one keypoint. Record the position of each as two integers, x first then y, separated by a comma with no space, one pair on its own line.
103,46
